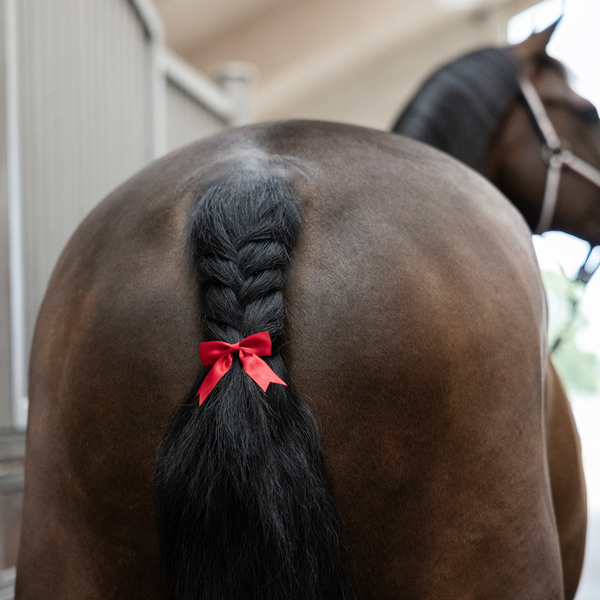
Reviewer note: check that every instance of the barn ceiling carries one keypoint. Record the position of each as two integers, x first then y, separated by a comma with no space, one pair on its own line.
306,49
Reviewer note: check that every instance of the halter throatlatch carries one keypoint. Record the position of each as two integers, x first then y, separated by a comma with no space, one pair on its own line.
554,154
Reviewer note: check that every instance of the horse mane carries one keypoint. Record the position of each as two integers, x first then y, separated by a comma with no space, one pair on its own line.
458,108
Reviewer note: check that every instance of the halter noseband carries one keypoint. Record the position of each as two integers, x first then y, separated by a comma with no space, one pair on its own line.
554,154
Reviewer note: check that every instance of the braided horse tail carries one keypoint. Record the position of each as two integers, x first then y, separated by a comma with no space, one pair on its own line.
244,507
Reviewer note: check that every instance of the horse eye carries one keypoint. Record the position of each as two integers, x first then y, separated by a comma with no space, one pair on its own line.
588,115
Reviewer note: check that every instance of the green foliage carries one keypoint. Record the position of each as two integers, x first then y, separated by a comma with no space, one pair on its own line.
580,370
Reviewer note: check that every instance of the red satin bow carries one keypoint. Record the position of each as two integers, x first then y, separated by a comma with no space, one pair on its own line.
249,349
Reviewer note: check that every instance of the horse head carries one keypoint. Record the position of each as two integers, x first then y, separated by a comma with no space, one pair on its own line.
511,114
521,156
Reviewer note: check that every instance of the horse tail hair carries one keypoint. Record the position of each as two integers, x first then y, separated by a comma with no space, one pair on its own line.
245,510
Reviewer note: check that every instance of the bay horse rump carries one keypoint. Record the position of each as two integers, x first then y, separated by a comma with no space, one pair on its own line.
405,456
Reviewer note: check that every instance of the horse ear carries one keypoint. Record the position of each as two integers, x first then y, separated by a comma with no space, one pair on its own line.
543,37
535,45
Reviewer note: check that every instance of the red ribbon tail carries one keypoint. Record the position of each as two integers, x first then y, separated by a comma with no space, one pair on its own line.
259,370
214,375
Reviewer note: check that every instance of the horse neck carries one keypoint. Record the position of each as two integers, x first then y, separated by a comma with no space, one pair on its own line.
513,163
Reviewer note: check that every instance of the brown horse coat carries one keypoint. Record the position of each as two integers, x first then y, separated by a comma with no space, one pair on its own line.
416,335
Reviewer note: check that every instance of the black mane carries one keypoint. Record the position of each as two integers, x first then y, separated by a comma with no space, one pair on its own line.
458,108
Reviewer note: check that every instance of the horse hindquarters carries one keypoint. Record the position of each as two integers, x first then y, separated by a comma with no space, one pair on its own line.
416,345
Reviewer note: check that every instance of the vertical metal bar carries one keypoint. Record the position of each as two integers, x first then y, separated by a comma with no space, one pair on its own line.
15,221
159,100
237,78
153,26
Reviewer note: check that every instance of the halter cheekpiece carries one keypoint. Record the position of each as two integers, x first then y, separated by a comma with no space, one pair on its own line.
555,154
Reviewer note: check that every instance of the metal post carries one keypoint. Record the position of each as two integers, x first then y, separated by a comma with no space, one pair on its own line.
15,218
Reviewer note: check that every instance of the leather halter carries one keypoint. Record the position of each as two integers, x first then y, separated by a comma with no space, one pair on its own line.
554,154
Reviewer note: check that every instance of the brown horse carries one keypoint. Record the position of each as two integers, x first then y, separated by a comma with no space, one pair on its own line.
510,114
407,457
